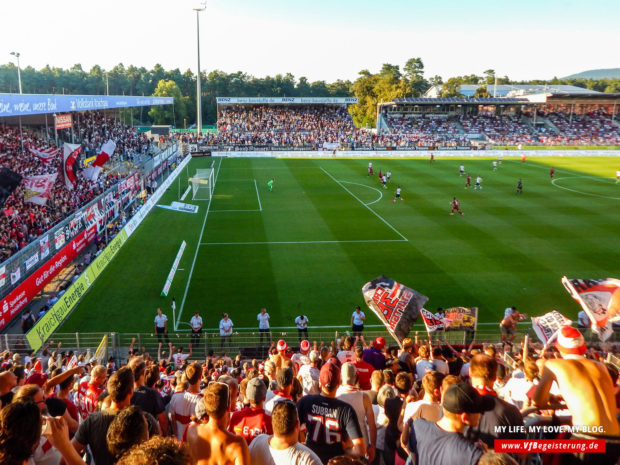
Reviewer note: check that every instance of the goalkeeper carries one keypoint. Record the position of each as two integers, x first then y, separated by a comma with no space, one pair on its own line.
270,184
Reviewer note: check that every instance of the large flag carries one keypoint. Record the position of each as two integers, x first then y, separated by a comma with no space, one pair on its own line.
101,353
71,152
9,180
37,189
546,326
600,299
107,149
45,154
396,305
432,321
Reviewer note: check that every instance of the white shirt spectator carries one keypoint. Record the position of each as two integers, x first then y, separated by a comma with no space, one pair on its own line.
301,322
357,318
261,453
263,320
346,356
309,379
226,327
160,320
196,322
178,359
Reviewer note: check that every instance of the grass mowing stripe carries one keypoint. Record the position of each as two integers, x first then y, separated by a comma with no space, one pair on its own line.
366,206
202,230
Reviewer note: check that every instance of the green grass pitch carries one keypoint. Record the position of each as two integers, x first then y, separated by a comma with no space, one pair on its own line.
327,228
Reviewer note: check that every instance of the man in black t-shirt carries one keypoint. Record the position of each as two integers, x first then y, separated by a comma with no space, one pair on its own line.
444,442
330,425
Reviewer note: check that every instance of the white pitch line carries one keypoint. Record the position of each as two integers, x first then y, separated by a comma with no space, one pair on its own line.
370,209
304,242
260,207
185,193
191,270
582,192
369,187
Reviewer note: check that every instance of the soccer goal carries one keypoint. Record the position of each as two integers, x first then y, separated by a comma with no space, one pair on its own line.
202,184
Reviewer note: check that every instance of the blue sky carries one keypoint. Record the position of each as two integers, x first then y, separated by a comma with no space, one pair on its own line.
319,39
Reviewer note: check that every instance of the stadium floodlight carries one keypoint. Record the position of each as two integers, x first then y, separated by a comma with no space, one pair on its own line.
19,74
203,7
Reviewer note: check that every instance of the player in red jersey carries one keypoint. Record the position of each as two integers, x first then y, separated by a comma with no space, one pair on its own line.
455,207
468,181
552,173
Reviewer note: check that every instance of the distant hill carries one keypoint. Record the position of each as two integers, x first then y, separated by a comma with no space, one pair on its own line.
611,73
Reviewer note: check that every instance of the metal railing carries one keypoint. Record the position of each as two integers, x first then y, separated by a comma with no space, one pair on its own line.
251,343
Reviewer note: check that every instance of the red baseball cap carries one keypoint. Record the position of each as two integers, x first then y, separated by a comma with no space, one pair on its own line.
379,343
329,375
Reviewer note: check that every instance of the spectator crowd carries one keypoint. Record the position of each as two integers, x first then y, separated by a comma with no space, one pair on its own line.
347,402
22,221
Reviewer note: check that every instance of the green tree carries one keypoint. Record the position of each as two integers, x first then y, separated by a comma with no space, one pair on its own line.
482,92
169,114
489,76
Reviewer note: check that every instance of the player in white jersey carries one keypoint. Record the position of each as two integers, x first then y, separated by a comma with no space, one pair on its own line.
397,195
461,170
494,165
478,184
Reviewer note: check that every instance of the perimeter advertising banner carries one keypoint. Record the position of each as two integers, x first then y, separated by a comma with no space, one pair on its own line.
25,292
45,327
396,305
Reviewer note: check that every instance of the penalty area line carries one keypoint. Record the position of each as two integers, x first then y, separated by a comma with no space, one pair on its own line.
366,206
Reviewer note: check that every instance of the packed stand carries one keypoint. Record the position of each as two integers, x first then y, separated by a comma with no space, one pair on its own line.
424,131
22,221
348,402
504,130
592,128
289,126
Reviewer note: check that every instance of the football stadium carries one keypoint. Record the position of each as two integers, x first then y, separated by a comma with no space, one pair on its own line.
333,274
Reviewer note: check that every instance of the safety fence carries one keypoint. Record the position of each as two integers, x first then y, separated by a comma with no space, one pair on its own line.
250,343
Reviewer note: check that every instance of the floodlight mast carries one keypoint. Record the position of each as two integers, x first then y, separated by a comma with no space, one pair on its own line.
203,7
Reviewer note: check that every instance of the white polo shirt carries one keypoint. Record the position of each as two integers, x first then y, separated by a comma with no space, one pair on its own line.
160,321
263,320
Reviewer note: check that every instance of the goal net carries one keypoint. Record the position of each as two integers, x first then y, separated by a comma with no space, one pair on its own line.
202,184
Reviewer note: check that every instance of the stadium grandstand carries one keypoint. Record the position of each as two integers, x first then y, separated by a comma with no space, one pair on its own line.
518,116
70,170
182,393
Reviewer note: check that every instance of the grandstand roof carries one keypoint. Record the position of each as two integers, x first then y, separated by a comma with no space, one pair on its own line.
285,100
459,101
39,104
514,90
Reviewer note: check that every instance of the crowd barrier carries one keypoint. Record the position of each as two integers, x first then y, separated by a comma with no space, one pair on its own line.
253,344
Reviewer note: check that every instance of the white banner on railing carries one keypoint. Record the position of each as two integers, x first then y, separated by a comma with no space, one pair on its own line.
173,270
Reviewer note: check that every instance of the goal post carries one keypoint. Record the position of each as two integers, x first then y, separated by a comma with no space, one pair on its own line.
202,184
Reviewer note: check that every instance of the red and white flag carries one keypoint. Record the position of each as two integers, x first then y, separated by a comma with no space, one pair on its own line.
37,189
45,154
72,362
546,326
431,321
71,152
396,305
600,299
107,149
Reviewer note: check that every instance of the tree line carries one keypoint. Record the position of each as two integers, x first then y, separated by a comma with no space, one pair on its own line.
370,88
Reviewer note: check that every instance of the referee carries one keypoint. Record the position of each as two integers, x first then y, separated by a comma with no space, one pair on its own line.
161,327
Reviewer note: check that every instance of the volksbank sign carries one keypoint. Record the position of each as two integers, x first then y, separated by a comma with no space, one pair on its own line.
285,100
32,104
